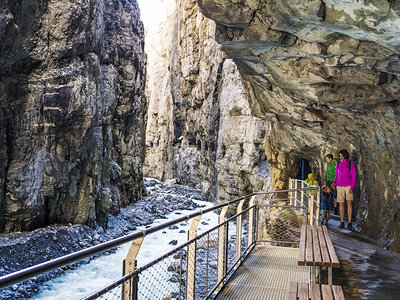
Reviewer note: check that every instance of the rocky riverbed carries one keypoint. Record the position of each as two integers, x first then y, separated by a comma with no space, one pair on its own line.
21,250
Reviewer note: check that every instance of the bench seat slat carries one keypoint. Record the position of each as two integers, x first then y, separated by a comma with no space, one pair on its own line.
326,261
326,292
309,247
338,292
331,249
316,247
292,291
302,246
303,295
315,292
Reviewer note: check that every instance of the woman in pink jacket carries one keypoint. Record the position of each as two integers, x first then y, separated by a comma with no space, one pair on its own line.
345,181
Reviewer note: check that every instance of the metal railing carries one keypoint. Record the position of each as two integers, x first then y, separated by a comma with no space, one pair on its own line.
305,195
200,267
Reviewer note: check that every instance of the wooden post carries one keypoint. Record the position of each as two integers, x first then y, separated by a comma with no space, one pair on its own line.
318,207
250,224
191,260
302,193
222,243
129,266
311,208
289,193
239,230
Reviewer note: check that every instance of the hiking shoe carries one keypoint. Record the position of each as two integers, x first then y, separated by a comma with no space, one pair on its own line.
341,226
350,227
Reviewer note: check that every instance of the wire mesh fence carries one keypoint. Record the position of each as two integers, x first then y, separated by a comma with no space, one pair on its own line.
123,288
168,277
114,294
199,268
206,264
165,279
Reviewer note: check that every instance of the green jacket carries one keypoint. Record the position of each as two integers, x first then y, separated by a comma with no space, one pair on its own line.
330,170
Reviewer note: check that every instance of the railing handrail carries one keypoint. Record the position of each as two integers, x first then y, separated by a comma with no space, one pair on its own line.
301,180
47,266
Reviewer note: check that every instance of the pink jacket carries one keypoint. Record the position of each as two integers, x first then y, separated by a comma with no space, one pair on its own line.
345,176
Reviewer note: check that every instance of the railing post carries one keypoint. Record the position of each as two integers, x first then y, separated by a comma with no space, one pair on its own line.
191,260
129,266
238,252
256,221
311,208
318,207
290,193
222,247
250,225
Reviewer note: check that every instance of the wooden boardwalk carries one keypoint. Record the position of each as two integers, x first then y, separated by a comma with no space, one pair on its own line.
266,274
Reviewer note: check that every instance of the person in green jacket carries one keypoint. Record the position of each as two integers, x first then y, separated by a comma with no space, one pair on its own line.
330,169
330,177
311,181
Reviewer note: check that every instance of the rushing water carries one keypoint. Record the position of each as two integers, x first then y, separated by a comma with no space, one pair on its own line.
99,272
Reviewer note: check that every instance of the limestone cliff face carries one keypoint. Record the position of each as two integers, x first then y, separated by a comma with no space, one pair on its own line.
200,129
71,111
324,74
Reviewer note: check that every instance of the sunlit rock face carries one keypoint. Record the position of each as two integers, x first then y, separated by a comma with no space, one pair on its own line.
324,74
71,111
199,127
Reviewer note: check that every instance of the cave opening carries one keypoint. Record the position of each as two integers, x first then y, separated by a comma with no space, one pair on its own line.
304,169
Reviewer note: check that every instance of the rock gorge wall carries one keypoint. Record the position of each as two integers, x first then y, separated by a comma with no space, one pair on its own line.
200,128
71,111
324,75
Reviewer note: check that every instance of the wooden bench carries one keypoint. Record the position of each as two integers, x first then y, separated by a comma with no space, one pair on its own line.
305,291
316,249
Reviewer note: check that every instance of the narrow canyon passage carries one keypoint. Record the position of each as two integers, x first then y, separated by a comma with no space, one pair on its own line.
200,129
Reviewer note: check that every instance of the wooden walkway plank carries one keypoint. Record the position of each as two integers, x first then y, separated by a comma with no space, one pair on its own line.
315,292
316,246
326,262
338,292
292,291
309,247
331,249
302,246
326,292
303,291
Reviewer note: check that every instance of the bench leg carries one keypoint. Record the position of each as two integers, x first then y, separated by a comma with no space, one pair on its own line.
313,274
330,276
318,275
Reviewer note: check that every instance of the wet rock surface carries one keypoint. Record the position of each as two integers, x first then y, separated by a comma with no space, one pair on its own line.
367,271
21,250
324,75
71,111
